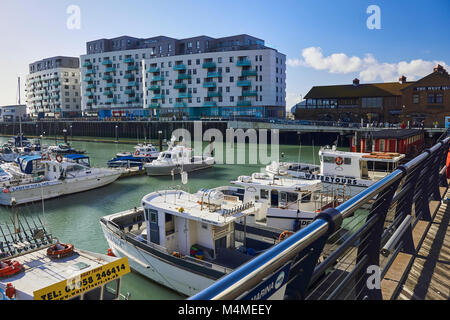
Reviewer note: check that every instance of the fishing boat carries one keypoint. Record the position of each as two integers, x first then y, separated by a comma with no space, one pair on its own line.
35,265
355,170
184,241
40,177
177,159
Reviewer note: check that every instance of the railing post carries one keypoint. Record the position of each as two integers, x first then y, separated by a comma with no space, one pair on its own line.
370,244
422,192
302,268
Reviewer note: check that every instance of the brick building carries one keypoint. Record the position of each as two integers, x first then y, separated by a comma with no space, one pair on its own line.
427,99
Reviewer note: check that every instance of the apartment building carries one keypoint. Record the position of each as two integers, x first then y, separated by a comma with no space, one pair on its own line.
53,88
194,78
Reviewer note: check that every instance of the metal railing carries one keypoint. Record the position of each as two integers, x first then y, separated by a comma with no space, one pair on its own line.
338,254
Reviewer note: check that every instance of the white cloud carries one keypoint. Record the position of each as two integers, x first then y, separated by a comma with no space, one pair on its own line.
368,68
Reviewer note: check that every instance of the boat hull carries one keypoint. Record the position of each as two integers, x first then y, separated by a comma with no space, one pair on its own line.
165,170
156,268
52,189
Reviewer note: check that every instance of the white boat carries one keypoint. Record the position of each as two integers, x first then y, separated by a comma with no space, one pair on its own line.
184,241
64,148
36,179
282,202
356,171
145,151
177,159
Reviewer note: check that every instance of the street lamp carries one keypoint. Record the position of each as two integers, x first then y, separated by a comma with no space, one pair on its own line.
117,137
65,135
160,140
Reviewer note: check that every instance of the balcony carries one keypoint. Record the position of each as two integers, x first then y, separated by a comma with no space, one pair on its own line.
214,75
243,63
56,84
244,83
129,76
87,64
90,101
107,93
212,94
110,85
183,76
158,96
110,69
210,104
107,77
106,62
209,65
111,100
179,67
129,91
158,78
89,94
249,93
154,87
132,84
244,103
133,100
128,60
153,70
132,68
180,105
209,84
88,79
179,86
91,86
249,73
91,71
184,95
154,105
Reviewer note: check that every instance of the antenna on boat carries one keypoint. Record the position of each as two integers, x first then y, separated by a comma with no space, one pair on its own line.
314,153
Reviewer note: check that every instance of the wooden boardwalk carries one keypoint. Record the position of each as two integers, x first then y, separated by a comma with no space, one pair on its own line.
426,274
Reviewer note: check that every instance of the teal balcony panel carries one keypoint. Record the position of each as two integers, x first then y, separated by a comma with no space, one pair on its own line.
244,83
158,78
179,86
88,79
158,96
179,67
107,77
154,105
129,76
87,64
106,62
110,85
183,76
91,71
212,94
154,87
249,93
110,69
243,63
128,60
249,73
209,84
129,91
111,100
132,68
244,103
153,70
185,95
209,65
180,105
214,75
107,93
91,86
210,104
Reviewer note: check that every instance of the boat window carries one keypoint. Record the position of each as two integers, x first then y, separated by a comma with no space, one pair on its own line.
264,194
283,196
292,197
111,290
54,168
153,216
328,159
93,294
306,197
78,297
170,225
348,161
167,156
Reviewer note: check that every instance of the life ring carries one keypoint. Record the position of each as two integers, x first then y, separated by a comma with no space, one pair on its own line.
285,234
45,156
60,250
339,161
9,268
137,153
59,158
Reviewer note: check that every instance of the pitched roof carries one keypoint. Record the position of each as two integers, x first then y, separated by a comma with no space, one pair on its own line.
385,89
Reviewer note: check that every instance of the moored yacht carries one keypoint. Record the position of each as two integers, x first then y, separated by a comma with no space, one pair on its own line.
145,153
183,241
356,171
38,177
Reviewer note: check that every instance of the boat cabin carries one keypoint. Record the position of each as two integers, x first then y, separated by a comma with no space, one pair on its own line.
78,158
31,164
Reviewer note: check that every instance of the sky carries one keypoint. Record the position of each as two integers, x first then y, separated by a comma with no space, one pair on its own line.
325,42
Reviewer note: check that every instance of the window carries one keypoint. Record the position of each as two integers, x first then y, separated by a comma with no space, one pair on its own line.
439,98
93,294
431,98
111,290
219,60
231,59
264,194
415,98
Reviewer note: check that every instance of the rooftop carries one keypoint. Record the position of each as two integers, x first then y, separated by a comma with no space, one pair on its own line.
385,89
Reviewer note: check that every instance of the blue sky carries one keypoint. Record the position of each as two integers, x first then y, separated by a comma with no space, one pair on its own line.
326,42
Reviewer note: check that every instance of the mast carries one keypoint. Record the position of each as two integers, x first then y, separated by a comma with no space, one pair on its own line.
20,116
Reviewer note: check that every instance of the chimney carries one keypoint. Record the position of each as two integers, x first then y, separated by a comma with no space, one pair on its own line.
356,82
438,68
402,79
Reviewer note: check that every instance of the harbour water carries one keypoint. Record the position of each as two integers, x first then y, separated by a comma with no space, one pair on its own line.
75,218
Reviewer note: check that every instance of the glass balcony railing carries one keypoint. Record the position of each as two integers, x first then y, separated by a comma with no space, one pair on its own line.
88,79
132,68
107,77
129,76
158,96
129,91
214,75
212,94
107,93
210,104
110,69
249,73
179,67
179,86
110,85
183,76
128,60
243,63
154,105
154,87
208,65
244,103
158,78
88,94
106,62
91,71
132,84
87,64
180,105
209,84
91,86
249,93
185,95
153,70
244,83
111,100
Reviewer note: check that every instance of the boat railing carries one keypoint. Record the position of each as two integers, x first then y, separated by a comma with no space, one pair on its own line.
347,251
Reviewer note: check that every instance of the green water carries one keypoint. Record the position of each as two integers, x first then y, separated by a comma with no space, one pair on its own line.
75,218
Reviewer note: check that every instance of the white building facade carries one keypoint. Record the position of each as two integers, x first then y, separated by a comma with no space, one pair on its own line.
195,78
53,88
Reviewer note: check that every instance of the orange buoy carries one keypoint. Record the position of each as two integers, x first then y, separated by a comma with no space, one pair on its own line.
284,235
60,250
9,268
